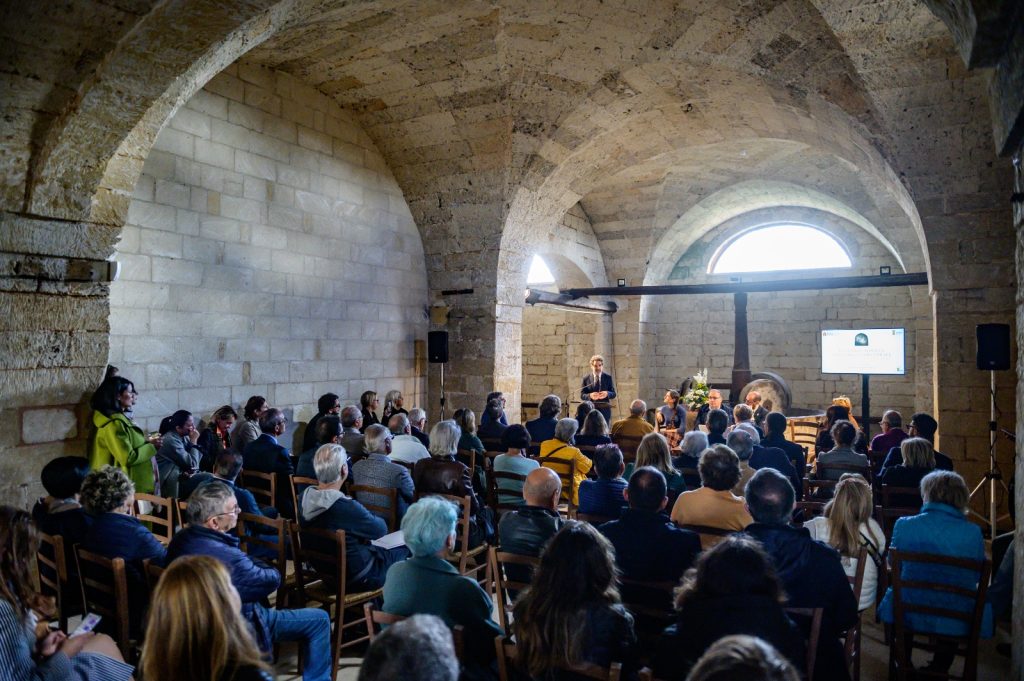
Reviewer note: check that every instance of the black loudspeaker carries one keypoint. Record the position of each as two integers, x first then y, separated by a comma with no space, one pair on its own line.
437,347
993,347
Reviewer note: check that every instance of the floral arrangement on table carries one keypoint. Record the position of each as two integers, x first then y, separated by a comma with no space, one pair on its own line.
697,396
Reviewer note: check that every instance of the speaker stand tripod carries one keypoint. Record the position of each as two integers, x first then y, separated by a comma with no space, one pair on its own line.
993,476
442,391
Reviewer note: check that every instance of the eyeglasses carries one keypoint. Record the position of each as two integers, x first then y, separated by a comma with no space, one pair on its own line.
235,511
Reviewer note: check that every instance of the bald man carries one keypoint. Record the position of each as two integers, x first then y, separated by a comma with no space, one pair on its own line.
633,425
526,530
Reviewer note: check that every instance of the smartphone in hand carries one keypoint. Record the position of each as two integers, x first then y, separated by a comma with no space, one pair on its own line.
89,623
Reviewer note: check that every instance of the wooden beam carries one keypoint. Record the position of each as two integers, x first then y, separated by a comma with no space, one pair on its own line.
871,281
561,300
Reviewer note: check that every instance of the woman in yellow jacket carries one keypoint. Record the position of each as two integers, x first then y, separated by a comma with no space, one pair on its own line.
118,441
561,448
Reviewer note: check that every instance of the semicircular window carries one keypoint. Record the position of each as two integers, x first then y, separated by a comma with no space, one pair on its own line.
775,248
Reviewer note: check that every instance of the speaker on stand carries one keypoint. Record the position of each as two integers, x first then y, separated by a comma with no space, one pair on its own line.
437,353
993,355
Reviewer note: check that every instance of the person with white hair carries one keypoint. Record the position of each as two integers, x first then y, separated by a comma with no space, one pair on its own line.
742,442
693,445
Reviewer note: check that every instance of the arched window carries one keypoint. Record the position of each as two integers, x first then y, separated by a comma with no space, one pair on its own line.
780,247
539,272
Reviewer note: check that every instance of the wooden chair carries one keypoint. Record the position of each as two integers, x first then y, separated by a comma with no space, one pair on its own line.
468,457
813,615
506,652
389,512
52,569
851,646
803,432
805,510
887,511
565,469
262,485
633,597
104,585
299,484
690,474
709,536
587,450
182,508
628,444
495,492
594,519
905,639
153,573
875,460
377,618
503,585
492,445
271,535
161,519
461,556
408,466
326,548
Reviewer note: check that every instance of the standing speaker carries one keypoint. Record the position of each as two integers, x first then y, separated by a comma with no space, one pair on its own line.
437,347
993,347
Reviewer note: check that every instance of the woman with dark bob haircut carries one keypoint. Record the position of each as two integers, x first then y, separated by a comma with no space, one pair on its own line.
516,442
248,429
118,441
572,614
733,589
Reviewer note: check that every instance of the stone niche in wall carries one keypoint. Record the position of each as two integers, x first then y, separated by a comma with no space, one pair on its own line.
784,328
268,250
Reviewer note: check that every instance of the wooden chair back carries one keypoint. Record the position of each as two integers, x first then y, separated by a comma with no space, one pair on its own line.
405,464
182,508
691,475
504,585
492,445
367,495
875,460
270,535
496,493
262,485
803,431
299,484
52,570
587,450
468,457
635,594
161,518
153,573
628,444
565,469
709,536
805,510
461,556
378,618
851,646
506,653
814,616
104,583
904,636
594,519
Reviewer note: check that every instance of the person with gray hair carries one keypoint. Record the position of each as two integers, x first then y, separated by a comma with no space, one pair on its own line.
213,514
741,442
352,431
326,507
419,648
543,427
560,455
694,442
429,584
812,573
763,456
892,434
405,446
442,474
266,455
378,470
634,425
418,425
714,504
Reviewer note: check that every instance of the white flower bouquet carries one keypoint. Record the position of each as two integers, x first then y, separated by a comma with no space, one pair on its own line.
697,396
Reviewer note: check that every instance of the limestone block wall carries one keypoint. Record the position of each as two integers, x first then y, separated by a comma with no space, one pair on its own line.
557,347
268,250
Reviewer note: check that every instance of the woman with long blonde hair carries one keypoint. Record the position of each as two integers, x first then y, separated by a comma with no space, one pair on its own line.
847,526
196,630
654,451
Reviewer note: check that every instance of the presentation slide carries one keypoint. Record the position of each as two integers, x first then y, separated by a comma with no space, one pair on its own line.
863,351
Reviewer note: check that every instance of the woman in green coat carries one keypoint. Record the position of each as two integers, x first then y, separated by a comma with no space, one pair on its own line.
118,441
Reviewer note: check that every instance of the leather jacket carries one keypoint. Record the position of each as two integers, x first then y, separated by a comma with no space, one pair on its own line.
444,476
526,530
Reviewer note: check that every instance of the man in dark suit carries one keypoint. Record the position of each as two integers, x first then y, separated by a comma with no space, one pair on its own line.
266,455
714,402
774,436
921,425
599,387
327,405
768,457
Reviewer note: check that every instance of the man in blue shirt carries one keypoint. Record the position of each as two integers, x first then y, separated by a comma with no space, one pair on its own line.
604,496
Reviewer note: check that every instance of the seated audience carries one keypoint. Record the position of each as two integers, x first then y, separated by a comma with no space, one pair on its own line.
543,427
468,441
516,442
847,526
672,415
847,404
753,400
572,613
775,437
178,455
352,431
418,426
714,504
326,507
369,401
693,444
921,425
378,470
525,531
604,496
742,413
329,432
741,442
843,434
892,432
392,405
405,446
329,404
428,584
498,397
195,628
743,658
558,454
108,495
212,514
942,528
491,421
633,425
117,440
419,648
833,415
248,429
216,436
918,461
654,451
812,574
582,409
714,402
266,455
226,469
595,431
718,422
733,590
764,456
61,513
442,474
53,655
647,545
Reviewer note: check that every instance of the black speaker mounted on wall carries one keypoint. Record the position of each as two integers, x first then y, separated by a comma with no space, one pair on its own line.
437,347
993,347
